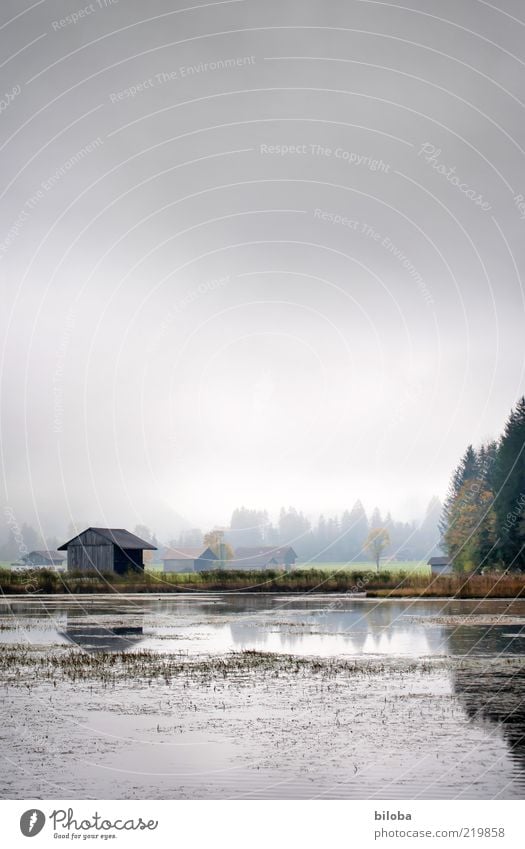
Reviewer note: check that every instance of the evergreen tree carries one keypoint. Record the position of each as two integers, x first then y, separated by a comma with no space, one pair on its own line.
10,548
375,519
486,460
356,532
332,539
51,543
188,539
18,544
294,529
471,534
509,489
322,539
469,524
427,537
248,527
345,543
468,469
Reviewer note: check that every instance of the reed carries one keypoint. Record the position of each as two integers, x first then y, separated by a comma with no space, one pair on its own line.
382,584
20,666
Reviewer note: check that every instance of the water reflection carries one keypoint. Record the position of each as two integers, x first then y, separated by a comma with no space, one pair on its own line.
324,626
493,690
343,626
458,731
96,637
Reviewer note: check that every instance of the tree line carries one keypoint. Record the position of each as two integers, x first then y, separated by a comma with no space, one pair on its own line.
341,538
481,525
483,520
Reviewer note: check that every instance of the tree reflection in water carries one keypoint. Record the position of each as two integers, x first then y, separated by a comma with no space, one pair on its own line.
491,688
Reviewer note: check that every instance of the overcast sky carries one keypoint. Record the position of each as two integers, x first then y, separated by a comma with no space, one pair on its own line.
255,252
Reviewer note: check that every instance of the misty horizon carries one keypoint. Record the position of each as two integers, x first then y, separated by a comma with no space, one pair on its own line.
343,537
254,262
262,419
56,528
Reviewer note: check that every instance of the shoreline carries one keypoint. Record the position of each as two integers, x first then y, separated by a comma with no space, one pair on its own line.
351,585
161,596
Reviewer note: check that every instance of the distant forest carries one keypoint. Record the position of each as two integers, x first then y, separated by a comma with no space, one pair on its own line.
480,526
335,539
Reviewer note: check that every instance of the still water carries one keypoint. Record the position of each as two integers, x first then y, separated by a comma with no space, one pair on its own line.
435,710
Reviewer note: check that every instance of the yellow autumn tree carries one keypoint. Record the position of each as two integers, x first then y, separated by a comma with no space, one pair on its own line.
377,542
471,533
215,540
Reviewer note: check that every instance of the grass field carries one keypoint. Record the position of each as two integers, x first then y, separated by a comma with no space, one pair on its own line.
412,567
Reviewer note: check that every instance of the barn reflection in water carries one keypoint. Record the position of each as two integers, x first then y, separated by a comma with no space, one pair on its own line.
95,636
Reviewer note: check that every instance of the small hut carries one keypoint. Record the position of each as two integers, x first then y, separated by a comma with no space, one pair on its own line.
263,557
106,550
189,560
43,557
440,566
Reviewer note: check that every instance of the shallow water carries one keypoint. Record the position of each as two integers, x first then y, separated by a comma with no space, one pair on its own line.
454,728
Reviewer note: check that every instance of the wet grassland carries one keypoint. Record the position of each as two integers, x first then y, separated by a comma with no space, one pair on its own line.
258,698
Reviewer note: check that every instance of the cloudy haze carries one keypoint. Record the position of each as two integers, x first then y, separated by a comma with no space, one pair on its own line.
256,253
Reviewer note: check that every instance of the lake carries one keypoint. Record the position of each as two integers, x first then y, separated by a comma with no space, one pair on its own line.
262,696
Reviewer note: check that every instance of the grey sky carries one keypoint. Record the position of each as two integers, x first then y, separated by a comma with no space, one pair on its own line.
255,252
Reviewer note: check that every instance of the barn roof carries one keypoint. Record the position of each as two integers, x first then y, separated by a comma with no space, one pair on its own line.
439,561
265,550
257,561
189,554
50,555
118,536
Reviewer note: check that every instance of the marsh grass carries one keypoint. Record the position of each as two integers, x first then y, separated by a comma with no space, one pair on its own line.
376,584
26,667
491,585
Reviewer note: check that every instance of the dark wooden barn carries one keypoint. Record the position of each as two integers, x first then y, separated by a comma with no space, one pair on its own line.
106,550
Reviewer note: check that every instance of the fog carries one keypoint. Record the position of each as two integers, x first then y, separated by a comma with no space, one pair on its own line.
261,253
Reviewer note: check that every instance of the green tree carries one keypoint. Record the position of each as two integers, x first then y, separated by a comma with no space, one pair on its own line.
509,489
487,457
467,470
470,537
